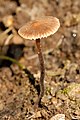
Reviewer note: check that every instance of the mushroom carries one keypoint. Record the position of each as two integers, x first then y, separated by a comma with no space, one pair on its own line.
35,30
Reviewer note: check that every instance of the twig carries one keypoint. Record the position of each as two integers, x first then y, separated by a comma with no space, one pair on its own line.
8,39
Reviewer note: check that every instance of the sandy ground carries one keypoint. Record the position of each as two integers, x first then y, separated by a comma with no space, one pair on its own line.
19,88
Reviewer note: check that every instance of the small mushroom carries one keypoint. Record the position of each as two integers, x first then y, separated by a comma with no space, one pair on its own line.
35,30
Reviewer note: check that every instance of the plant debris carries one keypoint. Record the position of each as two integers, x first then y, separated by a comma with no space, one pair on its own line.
19,88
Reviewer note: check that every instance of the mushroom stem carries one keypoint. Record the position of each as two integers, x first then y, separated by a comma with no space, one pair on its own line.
42,69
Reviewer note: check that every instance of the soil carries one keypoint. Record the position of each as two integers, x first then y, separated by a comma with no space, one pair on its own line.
19,87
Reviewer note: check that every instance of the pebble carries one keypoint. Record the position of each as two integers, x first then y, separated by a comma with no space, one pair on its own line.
58,117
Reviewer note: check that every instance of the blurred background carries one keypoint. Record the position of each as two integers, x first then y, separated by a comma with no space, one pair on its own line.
15,13
61,54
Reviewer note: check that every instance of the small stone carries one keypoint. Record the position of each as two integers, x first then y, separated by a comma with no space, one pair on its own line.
1,105
54,101
37,114
58,117
8,20
73,91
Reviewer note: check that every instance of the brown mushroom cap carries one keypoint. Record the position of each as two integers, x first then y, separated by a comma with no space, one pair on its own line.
39,28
